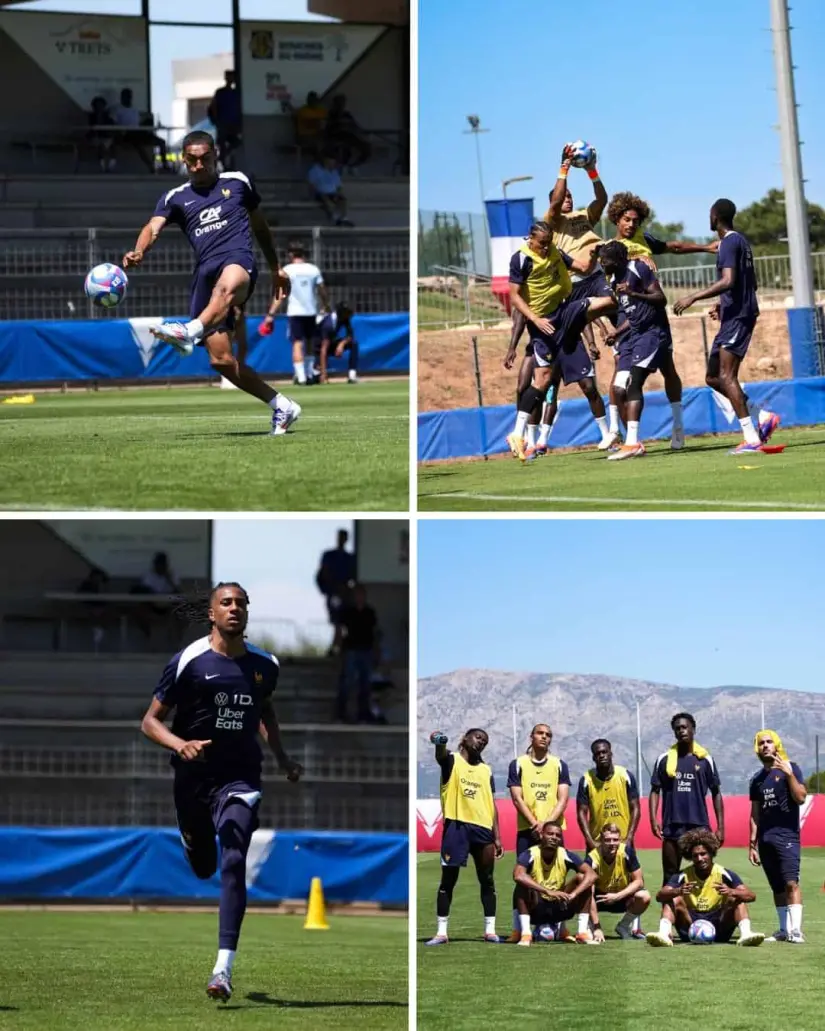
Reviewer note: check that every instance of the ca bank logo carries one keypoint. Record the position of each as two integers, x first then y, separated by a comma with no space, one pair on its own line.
221,698
209,215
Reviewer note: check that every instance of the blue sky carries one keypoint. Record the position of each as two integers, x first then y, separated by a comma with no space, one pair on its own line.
695,603
678,98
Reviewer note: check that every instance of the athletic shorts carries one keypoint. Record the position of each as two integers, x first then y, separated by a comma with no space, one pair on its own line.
206,276
303,328
200,799
614,907
549,911
594,286
568,321
674,831
780,858
524,841
460,840
734,337
576,366
722,920
643,351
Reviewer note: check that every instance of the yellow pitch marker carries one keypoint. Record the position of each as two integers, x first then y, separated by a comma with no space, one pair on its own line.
19,399
317,909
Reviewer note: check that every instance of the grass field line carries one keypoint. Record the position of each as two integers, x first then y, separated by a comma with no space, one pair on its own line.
563,499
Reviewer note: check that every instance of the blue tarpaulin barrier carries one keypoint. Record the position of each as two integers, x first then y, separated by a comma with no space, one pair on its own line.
124,349
148,863
467,432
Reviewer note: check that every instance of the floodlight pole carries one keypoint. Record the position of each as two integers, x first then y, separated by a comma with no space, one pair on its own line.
475,130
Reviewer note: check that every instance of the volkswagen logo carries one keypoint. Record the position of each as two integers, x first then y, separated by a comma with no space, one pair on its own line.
221,698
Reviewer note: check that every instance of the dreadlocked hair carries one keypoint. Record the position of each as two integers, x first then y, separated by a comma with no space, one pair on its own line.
626,201
194,608
688,842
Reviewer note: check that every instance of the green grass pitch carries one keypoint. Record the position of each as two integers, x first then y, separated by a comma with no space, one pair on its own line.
469,984
208,450
703,477
139,971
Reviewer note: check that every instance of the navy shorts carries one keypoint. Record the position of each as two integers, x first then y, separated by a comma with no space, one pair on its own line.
568,321
205,277
614,907
644,350
722,920
734,337
549,911
674,831
780,857
200,799
576,366
460,840
303,328
524,841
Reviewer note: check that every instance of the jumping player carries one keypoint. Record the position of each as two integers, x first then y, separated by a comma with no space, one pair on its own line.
307,299
620,884
470,826
704,890
737,311
221,691
607,794
219,214
336,332
683,775
540,288
777,791
646,343
543,889
539,786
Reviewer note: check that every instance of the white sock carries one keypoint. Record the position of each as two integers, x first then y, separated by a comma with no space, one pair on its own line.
442,927
352,375
614,419
226,957
627,919
665,927
676,408
744,928
748,430
300,373
524,922
194,328
309,367
584,922
544,434
763,415
795,918
521,423
489,925
632,433
532,431
782,913
601,422
636,924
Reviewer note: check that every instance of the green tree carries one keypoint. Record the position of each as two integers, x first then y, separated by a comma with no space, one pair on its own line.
816,783
764,224
446,242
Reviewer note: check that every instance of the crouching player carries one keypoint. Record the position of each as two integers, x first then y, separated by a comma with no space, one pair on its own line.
543,893
336,333
704,890
619,887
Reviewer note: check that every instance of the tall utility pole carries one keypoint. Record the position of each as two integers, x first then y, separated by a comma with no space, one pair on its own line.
476,130
795,210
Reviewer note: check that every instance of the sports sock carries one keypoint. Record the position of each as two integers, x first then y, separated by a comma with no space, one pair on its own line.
300,374
442,927
614,419
226,957
676,409
275,403
489,925
309,367
782,913
744,927
194,328
584,922
521,423
352,376
632,433
532,431
749,430
544,434
627,919
601,422
636,924
665,927
524,923
795,918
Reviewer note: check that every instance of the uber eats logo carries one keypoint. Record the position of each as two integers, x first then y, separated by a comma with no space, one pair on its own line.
229,717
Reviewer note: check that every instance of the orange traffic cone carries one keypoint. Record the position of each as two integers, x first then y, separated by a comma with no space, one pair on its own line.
316,910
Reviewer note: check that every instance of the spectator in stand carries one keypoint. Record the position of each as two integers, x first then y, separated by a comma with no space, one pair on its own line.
160,579
344,136
99,116
325,179
144,143
95,582
225,114
335,579
360,655
309,124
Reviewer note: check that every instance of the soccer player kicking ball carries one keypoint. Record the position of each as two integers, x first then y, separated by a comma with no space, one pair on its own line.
620,885
737,312
704,890
218,213
777,791
545,893
470,826
221,691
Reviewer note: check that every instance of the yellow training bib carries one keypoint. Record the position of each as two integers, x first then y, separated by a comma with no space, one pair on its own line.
613,877
608,801
548,282
540,787
552,876
467,795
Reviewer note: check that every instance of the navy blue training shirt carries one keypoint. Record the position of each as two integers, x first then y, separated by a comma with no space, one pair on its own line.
778,813
740,301
641,315
684,796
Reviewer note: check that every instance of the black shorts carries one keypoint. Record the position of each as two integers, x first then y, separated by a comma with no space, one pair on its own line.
614,907
525,839
780,857
722,920
548,911
200,798
460,840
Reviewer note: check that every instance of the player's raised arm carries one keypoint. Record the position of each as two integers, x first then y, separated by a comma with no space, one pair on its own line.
560,189
440,739
595,209
271,733
146,238
679,246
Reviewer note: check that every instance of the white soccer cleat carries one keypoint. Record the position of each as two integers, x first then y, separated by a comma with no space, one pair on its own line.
606,443
174,334
753,939
658,941
677,440
796,938
627,451
284,416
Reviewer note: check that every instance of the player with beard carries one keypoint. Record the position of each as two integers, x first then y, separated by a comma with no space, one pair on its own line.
220,689
470,826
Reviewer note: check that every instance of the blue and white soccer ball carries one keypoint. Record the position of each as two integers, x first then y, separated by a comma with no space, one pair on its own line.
583,154
546,933
702,932
106,285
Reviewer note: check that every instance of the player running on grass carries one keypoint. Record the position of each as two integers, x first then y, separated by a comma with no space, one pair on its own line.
539,786
470,826
704,890
221,691
544,891
777,791
620,884
218,213
737,311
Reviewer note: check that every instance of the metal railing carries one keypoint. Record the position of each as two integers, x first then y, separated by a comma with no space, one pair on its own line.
42,271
